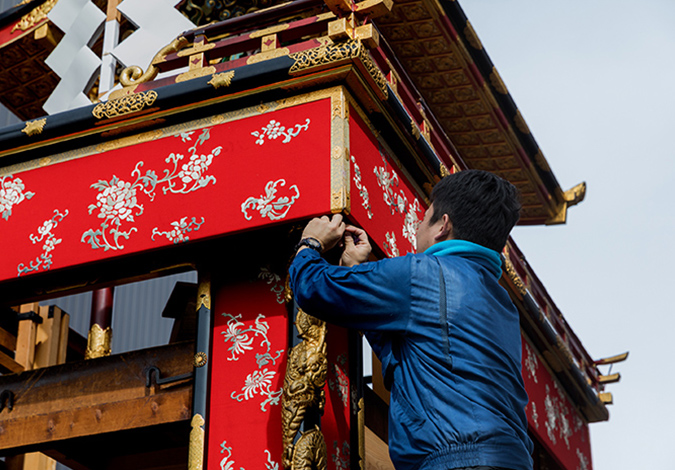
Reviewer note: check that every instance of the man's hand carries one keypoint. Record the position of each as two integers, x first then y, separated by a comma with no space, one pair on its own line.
357,247
327,231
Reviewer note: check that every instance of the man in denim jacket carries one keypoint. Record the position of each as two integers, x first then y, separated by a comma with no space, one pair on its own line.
446,332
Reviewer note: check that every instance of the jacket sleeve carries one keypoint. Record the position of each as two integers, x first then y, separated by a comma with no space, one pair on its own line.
372,296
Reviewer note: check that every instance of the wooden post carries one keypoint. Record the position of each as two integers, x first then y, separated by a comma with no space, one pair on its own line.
42,340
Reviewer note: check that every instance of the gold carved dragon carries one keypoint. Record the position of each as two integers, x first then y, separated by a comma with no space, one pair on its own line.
303,389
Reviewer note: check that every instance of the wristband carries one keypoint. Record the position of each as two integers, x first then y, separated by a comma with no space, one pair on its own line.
310,242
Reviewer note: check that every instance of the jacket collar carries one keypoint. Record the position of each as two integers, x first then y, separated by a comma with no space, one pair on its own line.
465,249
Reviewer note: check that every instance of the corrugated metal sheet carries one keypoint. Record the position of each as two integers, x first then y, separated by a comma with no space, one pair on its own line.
137,312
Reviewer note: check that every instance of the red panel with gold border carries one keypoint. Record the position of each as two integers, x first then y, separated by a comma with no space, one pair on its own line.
221,174
383,201
248,363
552,417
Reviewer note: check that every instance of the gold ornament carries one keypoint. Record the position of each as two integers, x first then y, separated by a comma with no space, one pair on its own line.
98,342
305,378
34,127
196,451
125,105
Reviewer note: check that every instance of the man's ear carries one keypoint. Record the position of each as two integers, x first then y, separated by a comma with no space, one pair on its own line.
444,229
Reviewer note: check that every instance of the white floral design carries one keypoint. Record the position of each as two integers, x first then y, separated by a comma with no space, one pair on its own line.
535,415
267,205
411,223
531,363
273,280
273,130
227,464
557,423
340,383
117,200
584,464
11,194
179,229
390,247
341,456
259,381
363,191
386,181
50,241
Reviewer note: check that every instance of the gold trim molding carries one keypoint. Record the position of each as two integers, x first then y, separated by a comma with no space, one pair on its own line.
195,73
99,342
328,54
125,105
34,127
221,79
197,440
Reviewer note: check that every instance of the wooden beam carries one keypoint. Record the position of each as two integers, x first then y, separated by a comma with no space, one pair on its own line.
96,396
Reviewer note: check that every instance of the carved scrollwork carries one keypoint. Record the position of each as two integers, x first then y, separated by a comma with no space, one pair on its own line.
305,378
125,105
329,53
134,75
202,12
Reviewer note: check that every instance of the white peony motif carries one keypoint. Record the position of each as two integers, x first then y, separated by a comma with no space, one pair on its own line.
116,201
11,194
193,170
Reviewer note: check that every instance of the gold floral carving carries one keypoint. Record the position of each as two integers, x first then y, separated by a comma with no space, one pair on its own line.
34,127
520,123
34,17
303,389
361,422
472,37
515,278
415,129
134,75
330,53
200,359
125,105
222,79
497,82
195,73
99,342
196,451
444,171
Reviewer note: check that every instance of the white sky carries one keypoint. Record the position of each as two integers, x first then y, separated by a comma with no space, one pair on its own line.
595,81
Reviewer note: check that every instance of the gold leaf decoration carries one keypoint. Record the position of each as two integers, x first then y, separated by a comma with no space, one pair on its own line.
34,17
222,79
472,37
197,440
34,127
125,105
497,82
99,342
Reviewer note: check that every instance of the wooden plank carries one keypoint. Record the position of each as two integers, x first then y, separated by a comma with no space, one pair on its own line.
377,453
7,340
96,396
166,407
9,363
63,338
47,338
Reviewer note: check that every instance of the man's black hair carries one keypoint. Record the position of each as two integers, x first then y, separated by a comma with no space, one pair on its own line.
482,207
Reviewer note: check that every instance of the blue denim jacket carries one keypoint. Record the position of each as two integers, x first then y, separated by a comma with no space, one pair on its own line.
452,362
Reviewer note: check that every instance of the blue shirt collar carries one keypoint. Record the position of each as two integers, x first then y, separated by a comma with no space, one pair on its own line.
489,258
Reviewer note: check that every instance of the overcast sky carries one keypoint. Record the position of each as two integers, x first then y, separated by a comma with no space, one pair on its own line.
595,81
